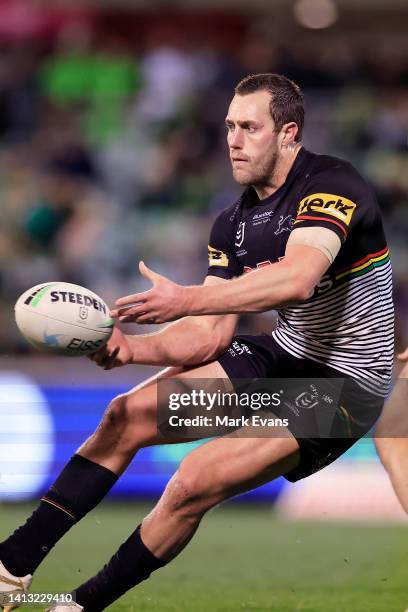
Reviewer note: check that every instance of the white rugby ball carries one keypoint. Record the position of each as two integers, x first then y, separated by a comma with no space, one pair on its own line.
63,318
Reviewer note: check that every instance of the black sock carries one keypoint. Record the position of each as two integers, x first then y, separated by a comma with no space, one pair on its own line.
130,565
81,485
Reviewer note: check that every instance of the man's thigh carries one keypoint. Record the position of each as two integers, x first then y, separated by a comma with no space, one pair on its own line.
234,464
142,400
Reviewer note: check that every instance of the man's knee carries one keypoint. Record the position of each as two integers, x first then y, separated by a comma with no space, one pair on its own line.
123,425
191,491
393,452
117,413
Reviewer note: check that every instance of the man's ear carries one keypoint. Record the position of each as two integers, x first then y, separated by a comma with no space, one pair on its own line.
288,135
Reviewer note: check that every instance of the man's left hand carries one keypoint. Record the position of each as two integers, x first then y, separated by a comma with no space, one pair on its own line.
165,301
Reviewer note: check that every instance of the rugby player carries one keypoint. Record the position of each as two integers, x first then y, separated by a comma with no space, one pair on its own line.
308,231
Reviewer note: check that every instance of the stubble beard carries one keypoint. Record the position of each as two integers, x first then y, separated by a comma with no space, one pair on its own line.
261,175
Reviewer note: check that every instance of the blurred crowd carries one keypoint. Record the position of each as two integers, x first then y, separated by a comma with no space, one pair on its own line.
113,150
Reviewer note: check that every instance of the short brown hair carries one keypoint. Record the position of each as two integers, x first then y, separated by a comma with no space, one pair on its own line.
286,103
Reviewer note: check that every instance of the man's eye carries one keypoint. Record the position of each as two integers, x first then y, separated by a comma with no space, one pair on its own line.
251,129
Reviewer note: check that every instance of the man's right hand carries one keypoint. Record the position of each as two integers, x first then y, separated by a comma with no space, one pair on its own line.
116,352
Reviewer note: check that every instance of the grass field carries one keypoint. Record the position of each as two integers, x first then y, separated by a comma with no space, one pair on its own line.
243,558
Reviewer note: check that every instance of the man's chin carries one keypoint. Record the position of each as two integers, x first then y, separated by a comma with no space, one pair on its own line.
242,178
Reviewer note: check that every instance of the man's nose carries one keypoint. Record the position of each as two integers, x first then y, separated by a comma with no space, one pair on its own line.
236,139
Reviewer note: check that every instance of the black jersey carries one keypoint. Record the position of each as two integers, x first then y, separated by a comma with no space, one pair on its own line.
348,323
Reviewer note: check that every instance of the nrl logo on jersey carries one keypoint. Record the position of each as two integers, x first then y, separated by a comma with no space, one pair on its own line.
239,236
334,205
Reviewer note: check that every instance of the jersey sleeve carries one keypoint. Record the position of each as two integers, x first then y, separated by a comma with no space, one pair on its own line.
332,201
222,261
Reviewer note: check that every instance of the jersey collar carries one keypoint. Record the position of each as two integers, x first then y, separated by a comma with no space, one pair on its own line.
252,197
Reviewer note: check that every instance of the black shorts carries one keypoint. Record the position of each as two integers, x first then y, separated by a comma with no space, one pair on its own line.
352,415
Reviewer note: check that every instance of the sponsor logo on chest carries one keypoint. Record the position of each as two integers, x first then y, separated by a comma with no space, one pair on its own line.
262,218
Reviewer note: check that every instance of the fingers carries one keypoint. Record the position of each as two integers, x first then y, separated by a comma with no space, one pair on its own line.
105,358
97,355
130,300
131,314
138,307
136,299
142,318
110,362
148,273
126,319
126,310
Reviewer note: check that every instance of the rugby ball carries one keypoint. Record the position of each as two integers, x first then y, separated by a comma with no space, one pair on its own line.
63,318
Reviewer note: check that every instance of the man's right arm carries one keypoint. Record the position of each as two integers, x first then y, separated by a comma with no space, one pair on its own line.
187,342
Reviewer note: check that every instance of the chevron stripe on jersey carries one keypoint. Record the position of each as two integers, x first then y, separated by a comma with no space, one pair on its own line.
350,327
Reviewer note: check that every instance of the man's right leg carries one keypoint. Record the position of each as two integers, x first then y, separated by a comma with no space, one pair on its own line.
128,424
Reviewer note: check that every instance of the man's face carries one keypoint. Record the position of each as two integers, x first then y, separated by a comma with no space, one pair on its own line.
252,140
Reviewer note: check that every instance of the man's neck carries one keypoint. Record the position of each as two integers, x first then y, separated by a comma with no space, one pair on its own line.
283,166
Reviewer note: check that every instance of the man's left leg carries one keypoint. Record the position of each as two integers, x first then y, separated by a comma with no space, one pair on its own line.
209,475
